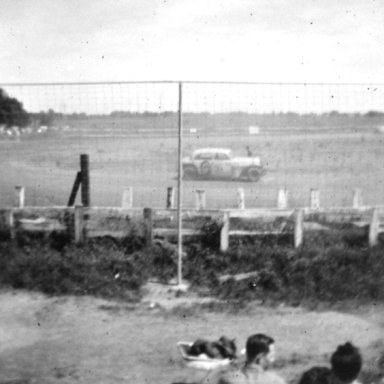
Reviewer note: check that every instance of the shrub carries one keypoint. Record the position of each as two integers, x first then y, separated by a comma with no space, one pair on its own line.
315,272
210,230
321,270
91,269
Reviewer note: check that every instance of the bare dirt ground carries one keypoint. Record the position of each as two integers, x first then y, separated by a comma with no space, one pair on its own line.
88,340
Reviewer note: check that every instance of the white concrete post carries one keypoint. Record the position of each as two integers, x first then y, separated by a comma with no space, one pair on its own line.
357,198
224,234
19,196
298,234
373,236
127,201
200,199
314,200
170,198
240,198
282,198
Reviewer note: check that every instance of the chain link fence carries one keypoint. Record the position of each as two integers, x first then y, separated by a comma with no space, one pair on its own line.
327,137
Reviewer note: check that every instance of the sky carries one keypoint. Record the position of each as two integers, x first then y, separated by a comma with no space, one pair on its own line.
304,41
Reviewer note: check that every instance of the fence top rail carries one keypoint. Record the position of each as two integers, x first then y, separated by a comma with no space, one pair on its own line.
362,209
233,212
188,211
38,208
252,213
218,82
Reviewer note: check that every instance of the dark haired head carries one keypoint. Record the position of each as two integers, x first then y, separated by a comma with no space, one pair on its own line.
316,375
258,345
346,362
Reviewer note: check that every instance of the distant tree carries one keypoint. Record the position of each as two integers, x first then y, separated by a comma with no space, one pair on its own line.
373,114
46,118
12,112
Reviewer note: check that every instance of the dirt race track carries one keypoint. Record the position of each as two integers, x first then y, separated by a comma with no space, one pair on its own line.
87,340
333,162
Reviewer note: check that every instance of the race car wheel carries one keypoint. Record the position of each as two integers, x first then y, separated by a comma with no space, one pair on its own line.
253,174
205,169
189,173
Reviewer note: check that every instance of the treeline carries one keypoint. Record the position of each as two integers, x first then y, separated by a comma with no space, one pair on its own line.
12,113
241,119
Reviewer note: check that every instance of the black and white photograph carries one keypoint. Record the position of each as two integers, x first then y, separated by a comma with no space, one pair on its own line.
191,192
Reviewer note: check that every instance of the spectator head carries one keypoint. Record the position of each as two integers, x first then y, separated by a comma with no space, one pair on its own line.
260,347
346,362
317,375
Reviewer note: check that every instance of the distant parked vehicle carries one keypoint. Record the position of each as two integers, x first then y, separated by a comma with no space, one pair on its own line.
219,163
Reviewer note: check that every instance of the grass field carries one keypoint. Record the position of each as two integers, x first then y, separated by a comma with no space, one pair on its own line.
335,162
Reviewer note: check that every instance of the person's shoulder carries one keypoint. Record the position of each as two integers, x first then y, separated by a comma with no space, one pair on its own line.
233,374
271,378
223,375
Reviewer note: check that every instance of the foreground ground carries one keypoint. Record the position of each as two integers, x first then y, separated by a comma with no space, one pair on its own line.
88,340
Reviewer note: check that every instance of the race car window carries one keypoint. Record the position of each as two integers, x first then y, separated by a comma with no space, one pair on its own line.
204,156
222,156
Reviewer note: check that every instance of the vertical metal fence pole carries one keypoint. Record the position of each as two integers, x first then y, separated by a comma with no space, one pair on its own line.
179,190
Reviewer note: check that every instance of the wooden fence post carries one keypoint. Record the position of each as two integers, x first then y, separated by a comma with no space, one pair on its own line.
148,226
170,203
85,180
9,223
282,198
127,201
75,188
79,224
314,200
240,199
200,199
224,233
357,200
19,196
298,234
373,236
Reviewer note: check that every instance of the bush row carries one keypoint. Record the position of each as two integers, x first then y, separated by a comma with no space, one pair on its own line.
334,273
324,269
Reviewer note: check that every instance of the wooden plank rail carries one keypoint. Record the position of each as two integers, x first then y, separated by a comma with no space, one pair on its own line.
260,212
119,221
253,233
260,222
84,221
166,232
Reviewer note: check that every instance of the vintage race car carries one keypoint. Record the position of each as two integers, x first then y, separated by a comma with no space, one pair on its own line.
219,163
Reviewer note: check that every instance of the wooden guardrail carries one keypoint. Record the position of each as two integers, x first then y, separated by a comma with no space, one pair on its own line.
87,222
83,222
